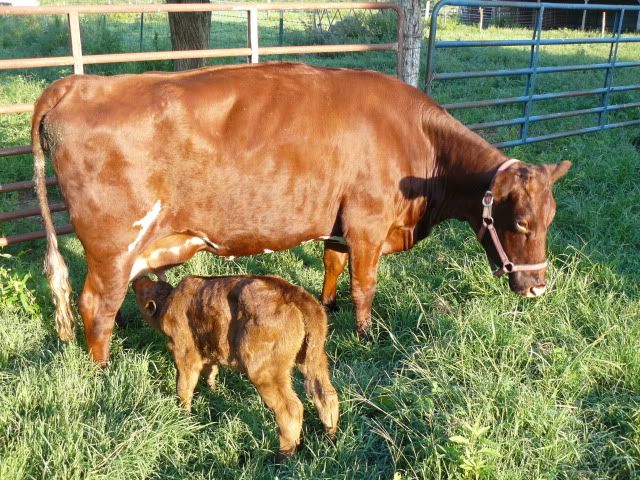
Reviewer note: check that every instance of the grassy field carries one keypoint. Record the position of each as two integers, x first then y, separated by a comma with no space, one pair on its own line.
462,379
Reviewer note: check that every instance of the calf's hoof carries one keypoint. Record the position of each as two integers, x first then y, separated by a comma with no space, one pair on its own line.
283,457
330,305
121,320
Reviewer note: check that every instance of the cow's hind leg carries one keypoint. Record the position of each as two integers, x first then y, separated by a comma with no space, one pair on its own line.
334,263
101,297
363,266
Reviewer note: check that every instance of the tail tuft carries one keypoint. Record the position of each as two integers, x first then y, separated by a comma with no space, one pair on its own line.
54,264
58,276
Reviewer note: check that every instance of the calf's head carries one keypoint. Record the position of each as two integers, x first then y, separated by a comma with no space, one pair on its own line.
151,298
522,211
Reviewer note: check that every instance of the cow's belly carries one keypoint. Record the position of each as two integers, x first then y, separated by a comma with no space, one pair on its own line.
176,249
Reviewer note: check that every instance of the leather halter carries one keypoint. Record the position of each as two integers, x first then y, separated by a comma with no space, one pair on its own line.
487,224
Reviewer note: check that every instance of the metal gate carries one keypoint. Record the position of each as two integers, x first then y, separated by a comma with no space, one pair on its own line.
531,95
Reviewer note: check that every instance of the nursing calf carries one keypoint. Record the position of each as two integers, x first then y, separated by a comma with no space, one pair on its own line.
259,325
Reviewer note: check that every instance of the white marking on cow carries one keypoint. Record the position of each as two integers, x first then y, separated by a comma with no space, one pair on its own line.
139,266
333,238
230,257
155,260
267,250
145,223
213,245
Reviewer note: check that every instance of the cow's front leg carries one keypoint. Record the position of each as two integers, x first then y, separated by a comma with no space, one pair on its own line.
100,300
334,263
363,266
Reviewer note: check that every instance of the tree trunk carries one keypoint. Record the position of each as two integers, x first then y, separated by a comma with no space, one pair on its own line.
412,41
189,31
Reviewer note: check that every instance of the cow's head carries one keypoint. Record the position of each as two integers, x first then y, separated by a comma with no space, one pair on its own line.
522,210
151,298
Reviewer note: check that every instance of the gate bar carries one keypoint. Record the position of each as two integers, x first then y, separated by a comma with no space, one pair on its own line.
10,151
539,96
613,56
552,136
552,116
526,71
25,185
524,43
22,63
534,61
6,241
30,212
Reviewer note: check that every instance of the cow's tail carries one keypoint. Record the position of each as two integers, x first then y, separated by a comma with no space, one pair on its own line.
54,264
314,365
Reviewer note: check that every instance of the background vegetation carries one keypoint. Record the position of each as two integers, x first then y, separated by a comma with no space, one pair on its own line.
462,379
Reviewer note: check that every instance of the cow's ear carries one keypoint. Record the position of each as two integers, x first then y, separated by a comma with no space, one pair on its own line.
151,308
558,170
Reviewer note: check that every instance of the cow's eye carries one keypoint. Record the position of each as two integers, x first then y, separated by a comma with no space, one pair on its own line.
522,226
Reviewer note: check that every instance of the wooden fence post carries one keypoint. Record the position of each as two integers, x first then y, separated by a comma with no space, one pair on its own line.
252,34
412,41
76,44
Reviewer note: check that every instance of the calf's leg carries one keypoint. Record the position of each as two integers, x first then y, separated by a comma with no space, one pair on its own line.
188,366
277,393
334,263
211,372
317,384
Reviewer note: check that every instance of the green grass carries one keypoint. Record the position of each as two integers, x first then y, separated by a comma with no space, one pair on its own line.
462,379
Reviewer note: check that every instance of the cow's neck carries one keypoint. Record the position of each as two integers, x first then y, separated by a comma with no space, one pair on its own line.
464,166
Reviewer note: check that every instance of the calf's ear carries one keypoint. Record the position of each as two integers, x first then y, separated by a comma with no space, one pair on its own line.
558,170
150,307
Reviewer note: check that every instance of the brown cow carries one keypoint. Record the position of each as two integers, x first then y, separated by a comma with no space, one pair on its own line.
259,325
243,160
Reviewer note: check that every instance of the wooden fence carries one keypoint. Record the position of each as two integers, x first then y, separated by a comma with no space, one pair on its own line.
77,59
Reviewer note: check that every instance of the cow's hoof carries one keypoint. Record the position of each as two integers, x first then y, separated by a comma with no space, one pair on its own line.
331,306
364,333
283,457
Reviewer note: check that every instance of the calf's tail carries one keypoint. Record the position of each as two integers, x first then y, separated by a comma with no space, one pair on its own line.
54,265
314,365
